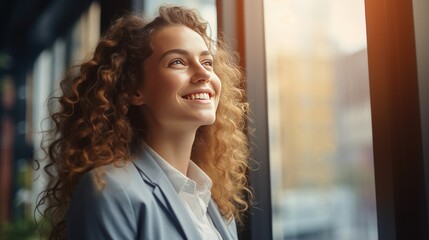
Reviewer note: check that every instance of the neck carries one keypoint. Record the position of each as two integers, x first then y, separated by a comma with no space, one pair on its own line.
174,147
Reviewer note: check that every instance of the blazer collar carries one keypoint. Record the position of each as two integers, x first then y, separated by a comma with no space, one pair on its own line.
165,193
219,222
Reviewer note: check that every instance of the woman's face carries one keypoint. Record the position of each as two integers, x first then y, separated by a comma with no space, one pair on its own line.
180,88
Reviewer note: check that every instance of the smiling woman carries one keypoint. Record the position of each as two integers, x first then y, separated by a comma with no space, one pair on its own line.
181,92
145,144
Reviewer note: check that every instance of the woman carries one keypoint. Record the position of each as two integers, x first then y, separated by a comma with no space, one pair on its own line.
154,96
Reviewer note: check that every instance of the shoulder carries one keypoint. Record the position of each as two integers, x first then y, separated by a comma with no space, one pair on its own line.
110,180
109,191
111,173
104,202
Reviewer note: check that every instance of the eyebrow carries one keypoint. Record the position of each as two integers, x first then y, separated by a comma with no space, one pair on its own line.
183,52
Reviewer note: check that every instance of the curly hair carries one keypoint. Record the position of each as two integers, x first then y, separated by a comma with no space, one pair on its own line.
94,124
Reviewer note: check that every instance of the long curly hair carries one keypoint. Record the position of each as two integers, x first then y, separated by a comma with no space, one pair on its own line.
95,122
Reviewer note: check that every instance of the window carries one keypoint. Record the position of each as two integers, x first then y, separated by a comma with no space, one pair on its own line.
319,118
397,172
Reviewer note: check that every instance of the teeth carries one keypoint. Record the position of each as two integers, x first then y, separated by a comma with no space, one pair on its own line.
198,96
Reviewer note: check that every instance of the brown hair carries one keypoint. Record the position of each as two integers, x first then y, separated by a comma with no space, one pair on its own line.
93,126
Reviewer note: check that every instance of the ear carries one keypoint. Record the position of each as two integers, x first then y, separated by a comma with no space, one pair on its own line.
137,98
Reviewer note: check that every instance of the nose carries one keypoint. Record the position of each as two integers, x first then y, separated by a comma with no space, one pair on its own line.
201,75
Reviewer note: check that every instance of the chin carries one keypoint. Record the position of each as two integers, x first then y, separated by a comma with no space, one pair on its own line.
209,121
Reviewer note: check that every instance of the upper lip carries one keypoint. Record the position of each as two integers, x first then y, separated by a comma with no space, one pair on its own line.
201,90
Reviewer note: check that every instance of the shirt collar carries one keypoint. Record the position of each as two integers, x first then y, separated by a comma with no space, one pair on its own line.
196,181
203,182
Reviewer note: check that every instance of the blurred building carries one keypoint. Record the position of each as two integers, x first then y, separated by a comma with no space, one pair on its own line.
38,40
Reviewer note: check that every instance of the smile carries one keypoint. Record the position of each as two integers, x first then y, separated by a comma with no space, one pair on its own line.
198,96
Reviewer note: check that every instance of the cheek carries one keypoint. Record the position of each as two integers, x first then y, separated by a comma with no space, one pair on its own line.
171,85
163,84
217,84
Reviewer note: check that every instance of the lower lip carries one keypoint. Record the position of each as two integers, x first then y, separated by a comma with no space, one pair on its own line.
199,100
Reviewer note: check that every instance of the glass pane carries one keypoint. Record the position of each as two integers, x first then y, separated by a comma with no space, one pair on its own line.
320,120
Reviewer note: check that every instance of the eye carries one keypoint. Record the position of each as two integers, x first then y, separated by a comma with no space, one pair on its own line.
207,63
176,62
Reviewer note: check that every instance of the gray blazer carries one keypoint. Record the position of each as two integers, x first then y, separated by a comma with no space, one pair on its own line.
137,202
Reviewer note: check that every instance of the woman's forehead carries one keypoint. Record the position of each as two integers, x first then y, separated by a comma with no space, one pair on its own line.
177,37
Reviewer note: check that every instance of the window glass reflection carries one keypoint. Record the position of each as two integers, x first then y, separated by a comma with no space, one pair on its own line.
319,117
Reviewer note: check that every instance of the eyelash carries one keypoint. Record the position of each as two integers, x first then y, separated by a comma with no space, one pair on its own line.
176,61
179,61
209,62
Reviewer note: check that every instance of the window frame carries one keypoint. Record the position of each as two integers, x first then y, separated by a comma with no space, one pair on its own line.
401,198
233,21
397,134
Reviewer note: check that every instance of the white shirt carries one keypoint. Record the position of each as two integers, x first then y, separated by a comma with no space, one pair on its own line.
194,191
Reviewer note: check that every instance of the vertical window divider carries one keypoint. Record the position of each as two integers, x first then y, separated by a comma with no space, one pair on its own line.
242,25
254,36
398,151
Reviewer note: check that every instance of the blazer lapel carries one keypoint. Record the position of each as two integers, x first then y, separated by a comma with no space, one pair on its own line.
229,232
166,195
